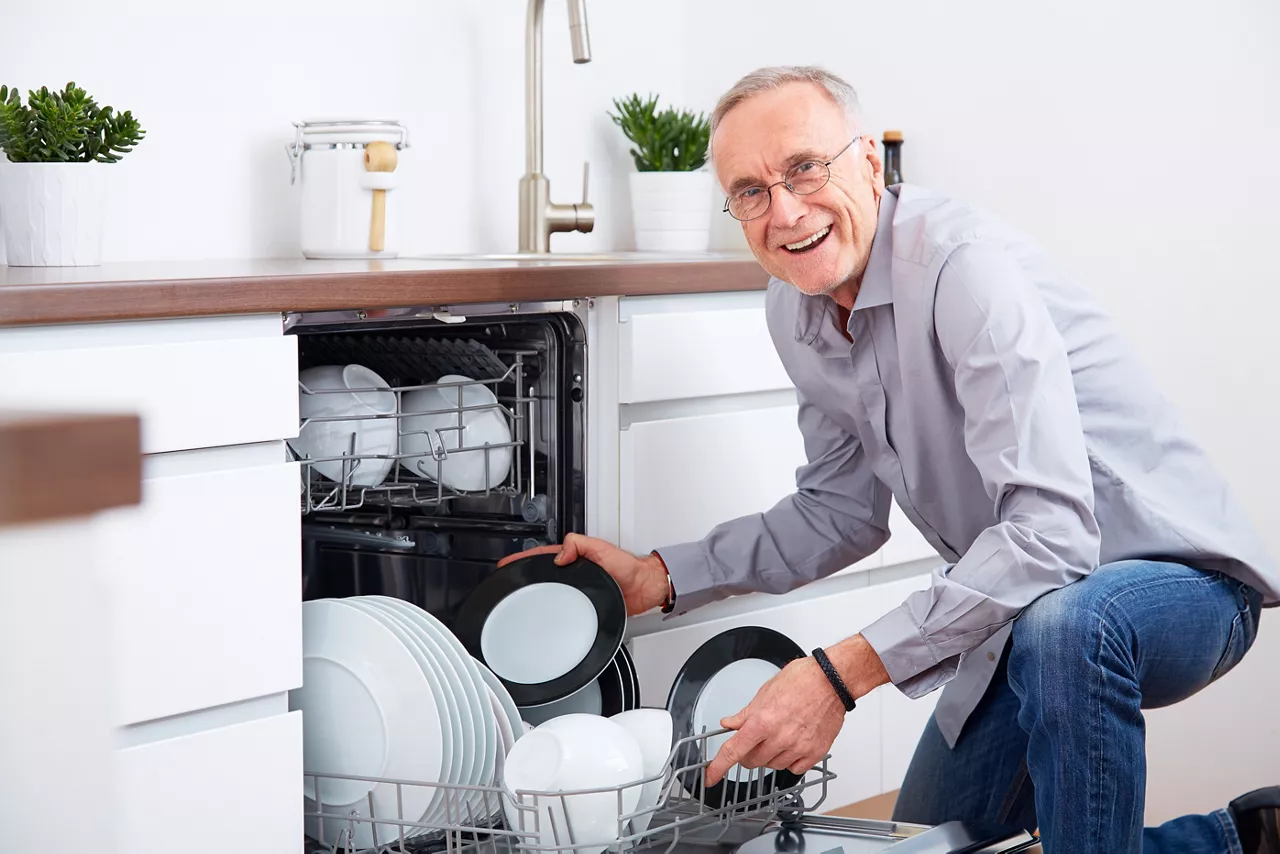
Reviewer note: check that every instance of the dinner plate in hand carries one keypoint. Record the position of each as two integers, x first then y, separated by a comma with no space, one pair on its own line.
718,680
545,630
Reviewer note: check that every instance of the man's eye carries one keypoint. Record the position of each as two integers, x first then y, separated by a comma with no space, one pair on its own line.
750,193
807,166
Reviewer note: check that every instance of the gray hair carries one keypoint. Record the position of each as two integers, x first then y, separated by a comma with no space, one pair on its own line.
773,77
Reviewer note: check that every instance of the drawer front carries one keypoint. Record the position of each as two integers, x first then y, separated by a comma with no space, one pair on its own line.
681,477
204,586
189,393
672,348
236,788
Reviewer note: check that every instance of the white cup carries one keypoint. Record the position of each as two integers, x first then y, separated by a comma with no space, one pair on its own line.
652,730
373,437
568,754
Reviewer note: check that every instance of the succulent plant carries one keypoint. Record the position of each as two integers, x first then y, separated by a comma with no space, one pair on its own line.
64,127
667,141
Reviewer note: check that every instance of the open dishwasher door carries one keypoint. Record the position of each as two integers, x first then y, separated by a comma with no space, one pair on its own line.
819,834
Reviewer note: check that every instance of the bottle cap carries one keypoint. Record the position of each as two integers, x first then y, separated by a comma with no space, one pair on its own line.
893,136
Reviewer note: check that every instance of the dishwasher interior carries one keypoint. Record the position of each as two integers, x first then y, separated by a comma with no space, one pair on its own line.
415,533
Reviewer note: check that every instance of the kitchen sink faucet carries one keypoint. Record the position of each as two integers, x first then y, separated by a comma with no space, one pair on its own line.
539,216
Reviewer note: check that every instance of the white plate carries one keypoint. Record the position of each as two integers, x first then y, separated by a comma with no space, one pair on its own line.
727,693
444,697
367,711
482,717
504,697
523,643
437,428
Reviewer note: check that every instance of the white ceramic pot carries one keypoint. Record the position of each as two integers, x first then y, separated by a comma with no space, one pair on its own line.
338,193
53,213
672,211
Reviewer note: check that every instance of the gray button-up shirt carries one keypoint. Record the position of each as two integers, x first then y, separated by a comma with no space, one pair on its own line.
990,395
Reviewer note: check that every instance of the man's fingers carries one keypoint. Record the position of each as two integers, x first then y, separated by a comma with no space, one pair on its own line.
734,721
731,752
540,550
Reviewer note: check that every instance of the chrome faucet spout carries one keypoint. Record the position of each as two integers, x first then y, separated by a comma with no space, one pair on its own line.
539,216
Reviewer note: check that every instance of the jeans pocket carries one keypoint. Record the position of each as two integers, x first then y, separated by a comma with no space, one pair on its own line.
1244,628
1231,655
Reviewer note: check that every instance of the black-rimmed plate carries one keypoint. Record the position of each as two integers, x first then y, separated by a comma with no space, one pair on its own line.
717,681
627,666
605,695
545,630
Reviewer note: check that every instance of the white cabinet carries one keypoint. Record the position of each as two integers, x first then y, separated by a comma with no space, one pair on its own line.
683,476
195,383
204,586
237,787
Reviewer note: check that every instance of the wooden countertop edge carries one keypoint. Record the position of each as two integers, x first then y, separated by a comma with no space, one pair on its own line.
73,302
62,466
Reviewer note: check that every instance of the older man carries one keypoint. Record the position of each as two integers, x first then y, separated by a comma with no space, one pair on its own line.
1097,563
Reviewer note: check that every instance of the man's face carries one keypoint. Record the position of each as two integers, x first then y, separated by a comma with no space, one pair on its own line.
757,142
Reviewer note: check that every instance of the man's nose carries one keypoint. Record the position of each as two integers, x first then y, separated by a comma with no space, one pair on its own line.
786,208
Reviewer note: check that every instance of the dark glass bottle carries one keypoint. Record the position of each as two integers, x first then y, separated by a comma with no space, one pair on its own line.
892,157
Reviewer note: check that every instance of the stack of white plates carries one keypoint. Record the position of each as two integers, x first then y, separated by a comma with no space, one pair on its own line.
389,692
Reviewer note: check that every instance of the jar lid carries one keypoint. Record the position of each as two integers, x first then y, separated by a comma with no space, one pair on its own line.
342,132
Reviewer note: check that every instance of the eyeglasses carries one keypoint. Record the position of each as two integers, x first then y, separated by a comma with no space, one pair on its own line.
802,179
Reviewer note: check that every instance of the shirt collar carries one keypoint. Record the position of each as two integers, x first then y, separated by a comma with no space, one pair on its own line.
877,282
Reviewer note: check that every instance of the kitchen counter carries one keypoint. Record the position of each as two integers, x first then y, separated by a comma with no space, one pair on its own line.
39,295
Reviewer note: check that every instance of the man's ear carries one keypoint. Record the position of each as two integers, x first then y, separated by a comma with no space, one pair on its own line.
874,161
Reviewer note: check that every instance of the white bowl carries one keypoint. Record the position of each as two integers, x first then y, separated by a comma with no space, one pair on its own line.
571,753
436,426
653,730
374,437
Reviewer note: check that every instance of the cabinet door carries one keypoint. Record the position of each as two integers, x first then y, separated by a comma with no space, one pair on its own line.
680,347
196,383
682,476
235,788
204,585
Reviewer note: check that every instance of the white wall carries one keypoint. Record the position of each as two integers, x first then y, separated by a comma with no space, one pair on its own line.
1139,141
216,92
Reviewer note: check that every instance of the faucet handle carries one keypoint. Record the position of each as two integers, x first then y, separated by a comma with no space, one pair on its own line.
586,174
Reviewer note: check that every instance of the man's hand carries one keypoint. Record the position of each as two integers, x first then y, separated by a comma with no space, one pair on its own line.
643,580
795,717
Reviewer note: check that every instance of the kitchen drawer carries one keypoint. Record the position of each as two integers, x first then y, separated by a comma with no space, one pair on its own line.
672,348
205,590
195,383
236,788
683,476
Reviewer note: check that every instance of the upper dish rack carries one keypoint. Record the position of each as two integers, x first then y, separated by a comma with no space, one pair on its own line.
419,476
679,817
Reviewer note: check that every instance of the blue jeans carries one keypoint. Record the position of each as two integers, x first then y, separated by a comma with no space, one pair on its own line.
1057,741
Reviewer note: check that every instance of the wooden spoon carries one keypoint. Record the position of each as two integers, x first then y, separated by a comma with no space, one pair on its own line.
379,157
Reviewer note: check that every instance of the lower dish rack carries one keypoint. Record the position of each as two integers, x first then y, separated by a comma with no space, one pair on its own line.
476,819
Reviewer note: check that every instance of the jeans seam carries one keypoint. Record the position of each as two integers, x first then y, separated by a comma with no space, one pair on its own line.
1233,638
1229,831
1096,796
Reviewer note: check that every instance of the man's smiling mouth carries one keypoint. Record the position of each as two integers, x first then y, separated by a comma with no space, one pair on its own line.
809,242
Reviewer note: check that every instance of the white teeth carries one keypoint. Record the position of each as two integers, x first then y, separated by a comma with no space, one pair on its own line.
808,241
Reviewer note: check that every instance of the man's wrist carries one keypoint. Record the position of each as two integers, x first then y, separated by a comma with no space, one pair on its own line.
858,665
662,593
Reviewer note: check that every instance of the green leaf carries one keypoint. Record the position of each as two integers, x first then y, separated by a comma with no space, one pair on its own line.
667,141
63,126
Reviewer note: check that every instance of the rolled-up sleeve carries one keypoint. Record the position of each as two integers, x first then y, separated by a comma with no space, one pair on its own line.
837,516
1023,433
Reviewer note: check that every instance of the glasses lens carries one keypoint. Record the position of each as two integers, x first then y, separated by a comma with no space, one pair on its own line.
809,177
749,203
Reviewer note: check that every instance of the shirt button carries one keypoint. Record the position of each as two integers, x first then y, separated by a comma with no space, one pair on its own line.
991,656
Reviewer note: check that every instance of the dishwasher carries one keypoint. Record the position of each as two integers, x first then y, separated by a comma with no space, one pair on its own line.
411,537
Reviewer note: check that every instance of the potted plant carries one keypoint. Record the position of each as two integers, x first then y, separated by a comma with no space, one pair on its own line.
671,192
53,175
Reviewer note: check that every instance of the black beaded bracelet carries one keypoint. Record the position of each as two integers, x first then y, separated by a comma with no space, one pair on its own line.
834,678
